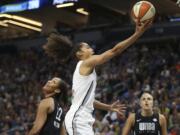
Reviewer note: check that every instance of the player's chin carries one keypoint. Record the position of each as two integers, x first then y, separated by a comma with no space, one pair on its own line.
44,89
147,108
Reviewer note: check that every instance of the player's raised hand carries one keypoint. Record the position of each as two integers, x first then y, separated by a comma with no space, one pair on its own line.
142,27
119,108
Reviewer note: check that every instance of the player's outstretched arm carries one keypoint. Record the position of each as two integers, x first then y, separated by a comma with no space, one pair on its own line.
129,124
163,124
118,48
40,118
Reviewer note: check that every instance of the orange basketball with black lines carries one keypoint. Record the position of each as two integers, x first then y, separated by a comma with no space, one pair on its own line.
142,11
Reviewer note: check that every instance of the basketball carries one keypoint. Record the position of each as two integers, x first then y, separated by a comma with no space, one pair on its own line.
142,11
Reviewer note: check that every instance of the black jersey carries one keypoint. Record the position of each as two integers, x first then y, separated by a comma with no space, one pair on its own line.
54,120
147,125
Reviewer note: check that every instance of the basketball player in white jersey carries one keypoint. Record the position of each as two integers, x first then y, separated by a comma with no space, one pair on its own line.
79,119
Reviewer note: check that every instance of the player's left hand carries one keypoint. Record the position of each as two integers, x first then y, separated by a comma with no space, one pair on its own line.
118,108
142,27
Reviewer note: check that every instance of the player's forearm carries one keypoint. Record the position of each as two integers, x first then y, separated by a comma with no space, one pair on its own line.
121,46
163,124
101,106
34,131
63,131
124,132
126,129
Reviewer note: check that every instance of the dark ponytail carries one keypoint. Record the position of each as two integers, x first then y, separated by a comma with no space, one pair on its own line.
62,97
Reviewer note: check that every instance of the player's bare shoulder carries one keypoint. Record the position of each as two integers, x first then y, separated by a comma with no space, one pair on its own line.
132,115
47,103
131,118
162,119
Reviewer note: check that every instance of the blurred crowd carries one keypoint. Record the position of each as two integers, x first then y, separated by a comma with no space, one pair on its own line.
154,67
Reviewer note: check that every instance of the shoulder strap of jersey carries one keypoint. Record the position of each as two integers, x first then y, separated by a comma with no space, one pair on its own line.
156,115
137,115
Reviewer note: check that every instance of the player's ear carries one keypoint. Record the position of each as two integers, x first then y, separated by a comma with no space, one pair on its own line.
57,91
78,54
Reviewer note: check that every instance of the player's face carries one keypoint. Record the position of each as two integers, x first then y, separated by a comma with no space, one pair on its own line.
146,101
51,85
86,49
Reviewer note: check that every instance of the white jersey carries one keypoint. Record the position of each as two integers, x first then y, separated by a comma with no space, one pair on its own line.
83,96
83,88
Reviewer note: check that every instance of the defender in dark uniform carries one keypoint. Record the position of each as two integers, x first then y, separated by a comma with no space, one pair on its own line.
146,122
50,115
147,125
54,120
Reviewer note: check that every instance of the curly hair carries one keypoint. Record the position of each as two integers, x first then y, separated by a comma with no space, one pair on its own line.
58,47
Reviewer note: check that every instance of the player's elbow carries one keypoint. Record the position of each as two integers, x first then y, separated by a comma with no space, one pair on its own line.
115,51
34,131
124,133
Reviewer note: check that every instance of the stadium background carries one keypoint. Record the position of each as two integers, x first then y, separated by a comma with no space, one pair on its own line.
153,63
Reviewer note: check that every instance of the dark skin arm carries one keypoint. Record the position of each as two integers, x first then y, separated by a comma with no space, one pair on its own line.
43,109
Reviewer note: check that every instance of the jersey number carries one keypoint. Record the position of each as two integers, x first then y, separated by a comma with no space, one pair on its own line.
58,114
58,117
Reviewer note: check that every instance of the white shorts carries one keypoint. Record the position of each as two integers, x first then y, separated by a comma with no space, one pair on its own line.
79,123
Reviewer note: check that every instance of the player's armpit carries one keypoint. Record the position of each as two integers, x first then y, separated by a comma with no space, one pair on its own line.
98,59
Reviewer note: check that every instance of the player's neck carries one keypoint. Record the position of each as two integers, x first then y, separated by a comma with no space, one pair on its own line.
146,112
85,57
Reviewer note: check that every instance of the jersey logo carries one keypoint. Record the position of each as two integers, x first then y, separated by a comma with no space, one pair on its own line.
155,120
147,126
138,120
